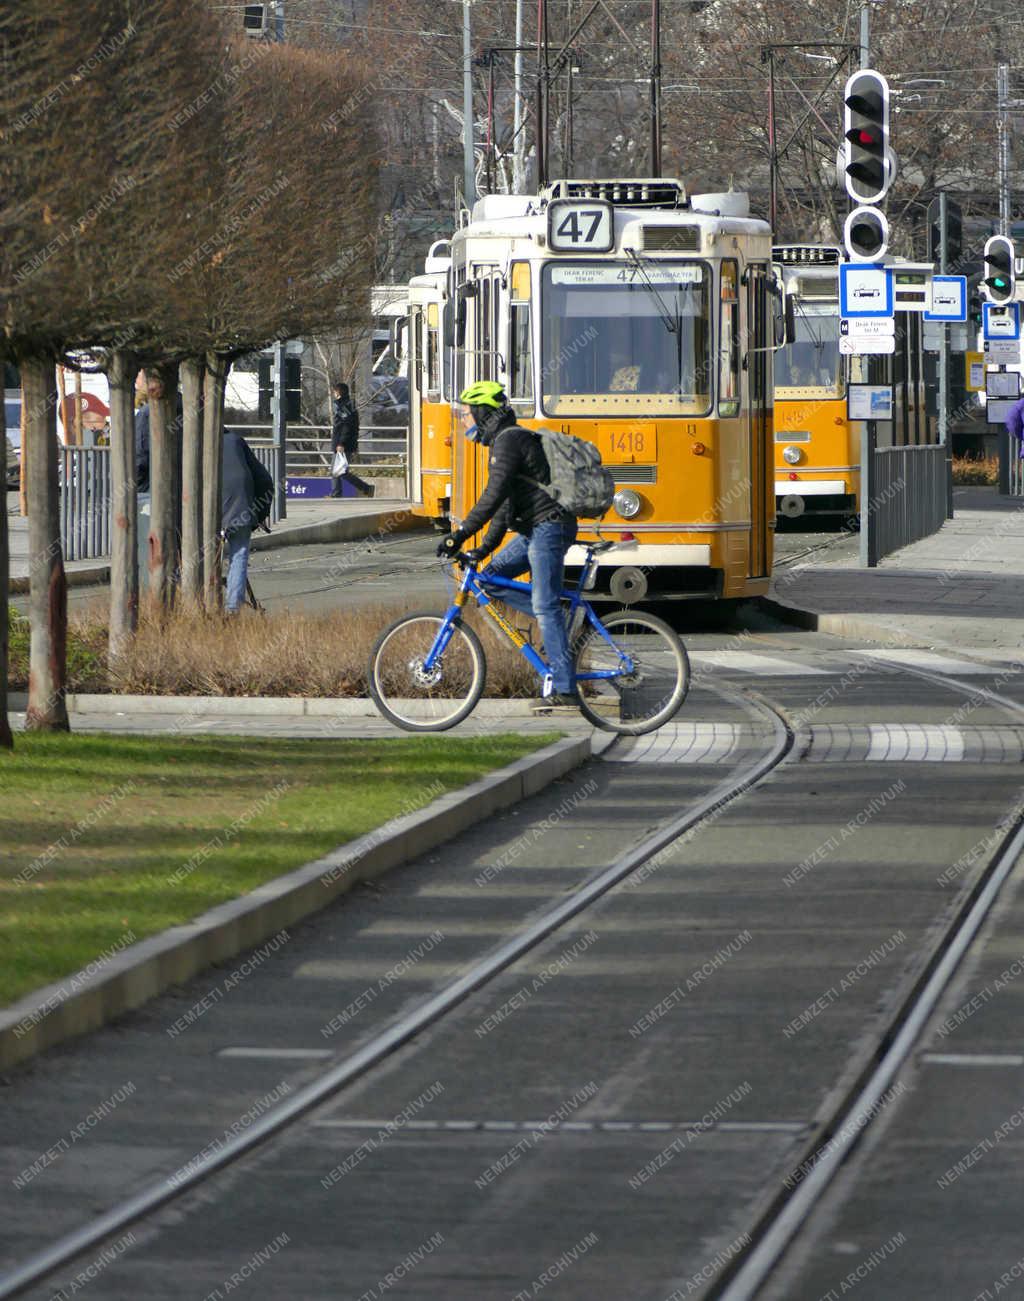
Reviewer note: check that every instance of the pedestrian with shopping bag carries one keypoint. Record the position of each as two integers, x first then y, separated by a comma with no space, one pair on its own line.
345,441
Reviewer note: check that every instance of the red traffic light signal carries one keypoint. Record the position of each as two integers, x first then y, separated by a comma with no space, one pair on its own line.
866,131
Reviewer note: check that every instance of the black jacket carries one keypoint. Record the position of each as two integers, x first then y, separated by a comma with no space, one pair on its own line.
512,499
344,426
247,491
142,444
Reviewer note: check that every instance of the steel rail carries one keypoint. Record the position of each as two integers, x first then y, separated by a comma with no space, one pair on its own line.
777,1227
170,1187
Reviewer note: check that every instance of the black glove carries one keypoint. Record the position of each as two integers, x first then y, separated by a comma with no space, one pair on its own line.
450,543
476,555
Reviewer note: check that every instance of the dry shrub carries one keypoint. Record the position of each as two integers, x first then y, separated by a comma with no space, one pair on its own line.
284,653
976,471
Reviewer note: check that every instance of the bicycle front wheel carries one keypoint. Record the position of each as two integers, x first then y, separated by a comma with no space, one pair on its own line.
421,699
633,676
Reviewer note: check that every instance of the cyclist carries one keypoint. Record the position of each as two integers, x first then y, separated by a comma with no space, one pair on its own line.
514,498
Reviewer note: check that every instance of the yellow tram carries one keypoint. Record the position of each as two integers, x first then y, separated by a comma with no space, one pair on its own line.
624,313
428,343
817,447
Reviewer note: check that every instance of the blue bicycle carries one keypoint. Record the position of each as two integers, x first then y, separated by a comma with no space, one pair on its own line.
427,670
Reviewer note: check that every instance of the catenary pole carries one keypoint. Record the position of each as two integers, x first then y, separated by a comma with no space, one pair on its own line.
519,146
468,186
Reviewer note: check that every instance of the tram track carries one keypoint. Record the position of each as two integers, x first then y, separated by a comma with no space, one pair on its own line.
174,1186
775,1230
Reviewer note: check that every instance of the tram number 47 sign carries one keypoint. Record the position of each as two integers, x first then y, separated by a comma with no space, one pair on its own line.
574,227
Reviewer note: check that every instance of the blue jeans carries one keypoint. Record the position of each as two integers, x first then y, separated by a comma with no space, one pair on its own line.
543,554
237,550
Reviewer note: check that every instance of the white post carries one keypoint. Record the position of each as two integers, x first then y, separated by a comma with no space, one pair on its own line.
469,185
518,134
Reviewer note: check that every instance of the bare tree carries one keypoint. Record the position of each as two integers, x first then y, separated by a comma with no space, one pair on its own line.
48,593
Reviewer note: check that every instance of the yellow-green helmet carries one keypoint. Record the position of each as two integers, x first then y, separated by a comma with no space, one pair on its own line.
484,393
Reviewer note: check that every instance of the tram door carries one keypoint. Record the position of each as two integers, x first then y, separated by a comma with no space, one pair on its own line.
414,447
759,358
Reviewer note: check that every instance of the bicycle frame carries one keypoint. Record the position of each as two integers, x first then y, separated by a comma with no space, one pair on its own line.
472,585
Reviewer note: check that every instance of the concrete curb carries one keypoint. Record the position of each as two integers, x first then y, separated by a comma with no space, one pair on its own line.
346,528
842,625
84,577
252,706
113,985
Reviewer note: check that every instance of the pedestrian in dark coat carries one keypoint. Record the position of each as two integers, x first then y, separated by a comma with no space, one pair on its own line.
345,438
247,494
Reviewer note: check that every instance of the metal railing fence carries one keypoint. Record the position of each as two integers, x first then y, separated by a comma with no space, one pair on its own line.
908,495
84,474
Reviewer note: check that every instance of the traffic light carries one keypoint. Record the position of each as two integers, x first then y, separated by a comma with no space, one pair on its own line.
866,129
866,234
954,232
999,279
255,19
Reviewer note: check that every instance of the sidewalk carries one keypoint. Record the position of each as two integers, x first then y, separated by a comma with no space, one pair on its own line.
307,522
962,588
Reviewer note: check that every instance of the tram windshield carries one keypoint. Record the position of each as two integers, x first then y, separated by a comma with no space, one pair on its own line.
812,359
622,339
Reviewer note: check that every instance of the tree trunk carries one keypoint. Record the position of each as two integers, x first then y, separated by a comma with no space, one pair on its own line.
124,531
48,589
213,459
6,740
192,480
164,456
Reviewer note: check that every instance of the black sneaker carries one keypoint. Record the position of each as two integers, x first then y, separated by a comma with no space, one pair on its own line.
560,700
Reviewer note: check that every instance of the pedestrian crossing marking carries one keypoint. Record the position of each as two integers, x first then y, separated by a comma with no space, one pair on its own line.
930,660
763,665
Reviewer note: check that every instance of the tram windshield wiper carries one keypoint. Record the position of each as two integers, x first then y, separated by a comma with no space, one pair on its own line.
671,322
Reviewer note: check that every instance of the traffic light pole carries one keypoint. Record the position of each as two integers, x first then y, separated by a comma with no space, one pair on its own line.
943,395
278,415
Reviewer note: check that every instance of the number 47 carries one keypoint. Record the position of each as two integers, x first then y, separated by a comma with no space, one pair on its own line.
571,225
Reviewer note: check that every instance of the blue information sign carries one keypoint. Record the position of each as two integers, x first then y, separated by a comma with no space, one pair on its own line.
1000,321
949,299
865,290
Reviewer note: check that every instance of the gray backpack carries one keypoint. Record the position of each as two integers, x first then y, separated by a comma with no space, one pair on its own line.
579,482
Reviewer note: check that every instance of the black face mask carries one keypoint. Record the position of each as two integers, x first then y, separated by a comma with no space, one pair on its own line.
489,421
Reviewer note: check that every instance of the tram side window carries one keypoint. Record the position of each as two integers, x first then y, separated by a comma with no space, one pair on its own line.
432,354
484,341
521,348
729,342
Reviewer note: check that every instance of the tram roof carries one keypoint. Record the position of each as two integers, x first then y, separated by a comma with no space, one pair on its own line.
524,217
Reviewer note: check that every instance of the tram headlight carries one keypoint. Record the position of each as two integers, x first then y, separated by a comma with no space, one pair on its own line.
627,503
792,455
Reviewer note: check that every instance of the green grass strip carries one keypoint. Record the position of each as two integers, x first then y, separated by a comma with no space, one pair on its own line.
107,839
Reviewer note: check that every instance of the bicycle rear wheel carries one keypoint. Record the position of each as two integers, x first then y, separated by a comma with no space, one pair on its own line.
413,697
640,699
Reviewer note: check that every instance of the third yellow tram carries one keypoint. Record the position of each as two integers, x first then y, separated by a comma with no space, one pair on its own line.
817,446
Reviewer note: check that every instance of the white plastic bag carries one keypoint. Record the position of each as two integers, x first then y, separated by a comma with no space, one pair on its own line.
340,463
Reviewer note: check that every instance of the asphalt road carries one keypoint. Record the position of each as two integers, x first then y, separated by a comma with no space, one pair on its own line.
389,571
600,1122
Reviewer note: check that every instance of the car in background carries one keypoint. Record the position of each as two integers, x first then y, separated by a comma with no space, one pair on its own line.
389,401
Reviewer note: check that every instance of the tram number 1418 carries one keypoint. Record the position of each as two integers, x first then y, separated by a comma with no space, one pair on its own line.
627,442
